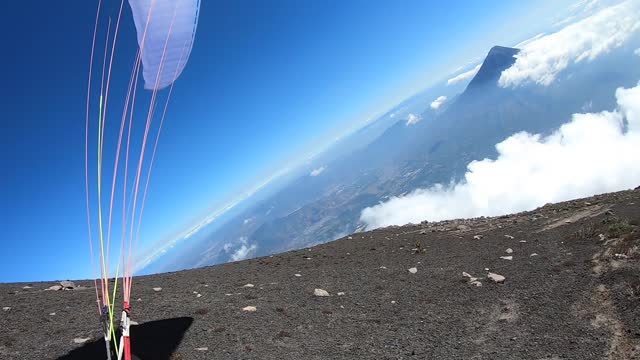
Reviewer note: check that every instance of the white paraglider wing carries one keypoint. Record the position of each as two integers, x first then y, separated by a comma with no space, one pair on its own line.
166,30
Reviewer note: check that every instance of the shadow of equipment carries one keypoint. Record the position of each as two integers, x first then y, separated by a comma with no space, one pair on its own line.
155,340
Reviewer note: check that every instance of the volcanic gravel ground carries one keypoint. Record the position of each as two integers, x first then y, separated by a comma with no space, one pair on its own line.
578,298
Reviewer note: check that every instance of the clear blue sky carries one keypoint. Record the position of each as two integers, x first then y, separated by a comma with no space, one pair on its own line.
266,82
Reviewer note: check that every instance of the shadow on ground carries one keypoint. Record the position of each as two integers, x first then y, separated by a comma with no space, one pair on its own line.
155,340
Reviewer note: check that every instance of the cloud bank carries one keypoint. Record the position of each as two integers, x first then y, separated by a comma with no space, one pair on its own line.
593,153
542,59
465,76
243,252
318,171
412,119
438,102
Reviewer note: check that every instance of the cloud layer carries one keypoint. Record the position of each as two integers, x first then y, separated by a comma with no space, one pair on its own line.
437,102
593,153
465,76
412,119
316,172
542,59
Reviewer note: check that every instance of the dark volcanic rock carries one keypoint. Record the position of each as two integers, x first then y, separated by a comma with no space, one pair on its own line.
577,299
498,59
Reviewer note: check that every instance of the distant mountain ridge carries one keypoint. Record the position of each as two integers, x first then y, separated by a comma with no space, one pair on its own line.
404,157
498,59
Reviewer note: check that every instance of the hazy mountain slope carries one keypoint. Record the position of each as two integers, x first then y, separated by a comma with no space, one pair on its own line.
436,149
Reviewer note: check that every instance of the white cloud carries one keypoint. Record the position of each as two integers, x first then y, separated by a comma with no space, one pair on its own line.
437,102
541,60
465,76
412,119
637,52
243,252
590,154
317,171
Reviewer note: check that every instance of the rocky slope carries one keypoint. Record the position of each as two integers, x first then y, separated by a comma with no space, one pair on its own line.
570,290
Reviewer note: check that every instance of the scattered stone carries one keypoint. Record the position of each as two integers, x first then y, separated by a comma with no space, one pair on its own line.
506,257
67,285
156,289
198,295
228,294
523,241
509,237
297,275
248,286
477,237
462,227
81,340
52,314
393,301
54,288
496,278
383,267
6,308
249,308
601,236
621,256
423,232
534,254
486,269
341,293
472,280
350,238
509,251
320,292
27,287
202,349
413,270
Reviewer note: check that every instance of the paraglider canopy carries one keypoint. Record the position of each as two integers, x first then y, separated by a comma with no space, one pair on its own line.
165,29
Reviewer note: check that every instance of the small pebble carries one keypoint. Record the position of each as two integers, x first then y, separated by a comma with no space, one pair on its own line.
249,308
6,308
297,275
248,286
413,270
202,349
340,293
496,278
506,257
81,340
509,251
156,289
320,292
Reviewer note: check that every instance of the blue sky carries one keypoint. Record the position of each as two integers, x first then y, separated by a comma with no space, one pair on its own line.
267,83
